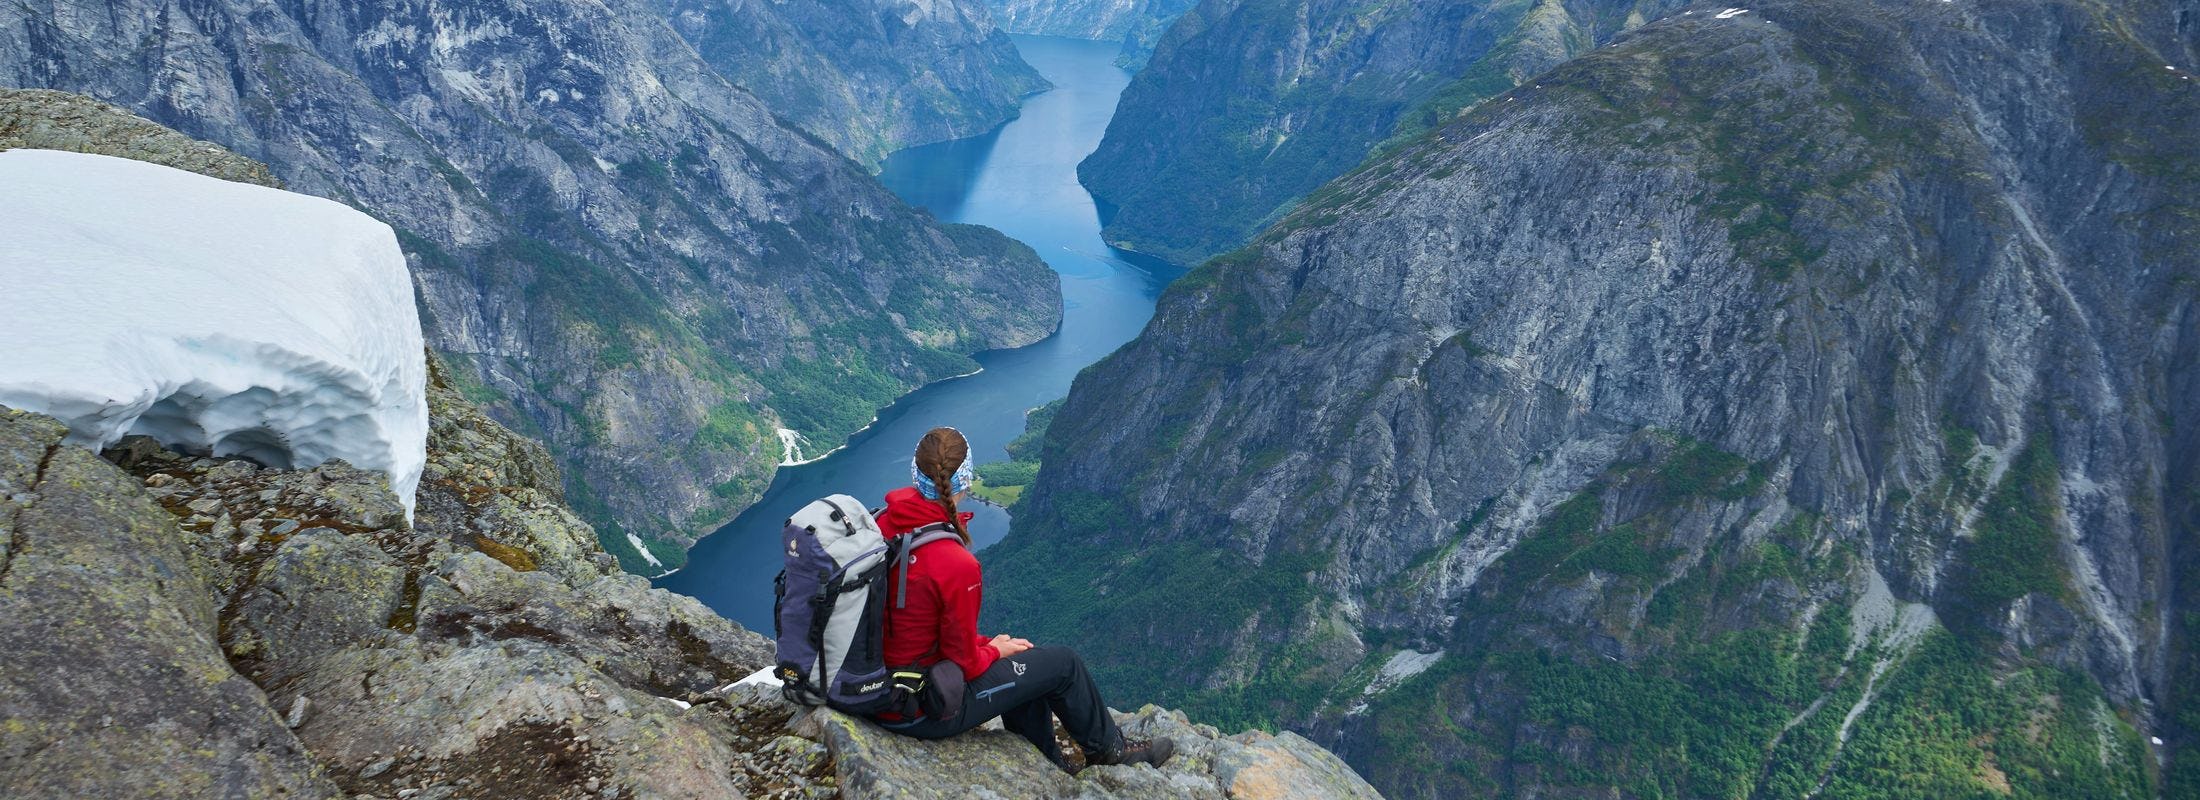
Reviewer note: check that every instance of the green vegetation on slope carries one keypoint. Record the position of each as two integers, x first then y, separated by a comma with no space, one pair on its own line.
1712,692
1002,483
1689,713
1755,712
2015,550
1150,618
2182,778
1954,723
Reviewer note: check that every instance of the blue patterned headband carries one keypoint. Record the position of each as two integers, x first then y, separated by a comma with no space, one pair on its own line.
964,476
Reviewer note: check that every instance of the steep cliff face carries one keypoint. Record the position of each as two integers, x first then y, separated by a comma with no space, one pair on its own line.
1786,402
870,77
1250,104
618,248
1139,24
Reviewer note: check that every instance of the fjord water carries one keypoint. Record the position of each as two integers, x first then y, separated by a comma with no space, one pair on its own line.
1022,180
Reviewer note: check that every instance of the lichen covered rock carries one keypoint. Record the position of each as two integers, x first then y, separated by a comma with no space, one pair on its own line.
111,682
491,485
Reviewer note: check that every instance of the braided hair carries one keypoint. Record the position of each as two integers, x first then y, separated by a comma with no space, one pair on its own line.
940,454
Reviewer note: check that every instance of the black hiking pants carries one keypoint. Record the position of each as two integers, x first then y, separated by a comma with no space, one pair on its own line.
1028,691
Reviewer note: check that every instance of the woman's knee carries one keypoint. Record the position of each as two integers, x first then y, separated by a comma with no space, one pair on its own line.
1059,662
1058,653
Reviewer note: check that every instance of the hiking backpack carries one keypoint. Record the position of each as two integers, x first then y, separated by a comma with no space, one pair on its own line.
829,613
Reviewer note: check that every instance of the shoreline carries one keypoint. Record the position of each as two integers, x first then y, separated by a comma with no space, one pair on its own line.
850,439
845,443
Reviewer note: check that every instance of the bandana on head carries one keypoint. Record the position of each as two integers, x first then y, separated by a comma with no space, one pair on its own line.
964,476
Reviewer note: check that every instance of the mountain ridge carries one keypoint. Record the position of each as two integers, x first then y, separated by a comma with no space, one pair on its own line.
863,77
1138,24
1217,139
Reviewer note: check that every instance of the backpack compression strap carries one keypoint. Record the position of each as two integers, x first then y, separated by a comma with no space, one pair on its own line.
908,553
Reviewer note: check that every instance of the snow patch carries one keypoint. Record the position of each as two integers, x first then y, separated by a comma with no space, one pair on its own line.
646,555
1731,13
216,317
762,677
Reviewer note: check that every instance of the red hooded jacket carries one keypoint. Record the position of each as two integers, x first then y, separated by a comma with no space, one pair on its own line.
940,620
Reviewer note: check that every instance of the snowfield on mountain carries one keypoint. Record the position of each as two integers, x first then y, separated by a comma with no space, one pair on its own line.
214,316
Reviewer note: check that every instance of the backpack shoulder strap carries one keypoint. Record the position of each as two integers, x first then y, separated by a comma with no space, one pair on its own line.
908,552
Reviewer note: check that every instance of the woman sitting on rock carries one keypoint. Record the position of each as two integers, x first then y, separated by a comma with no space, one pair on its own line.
1026,686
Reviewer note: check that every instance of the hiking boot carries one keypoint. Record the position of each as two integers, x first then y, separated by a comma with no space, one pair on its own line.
1155,752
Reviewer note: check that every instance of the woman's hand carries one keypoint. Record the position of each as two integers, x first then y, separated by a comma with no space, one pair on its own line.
1010,645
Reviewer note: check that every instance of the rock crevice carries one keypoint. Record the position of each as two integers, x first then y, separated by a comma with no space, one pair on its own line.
17,541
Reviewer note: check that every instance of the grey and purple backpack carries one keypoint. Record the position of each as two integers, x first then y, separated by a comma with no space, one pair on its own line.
830,612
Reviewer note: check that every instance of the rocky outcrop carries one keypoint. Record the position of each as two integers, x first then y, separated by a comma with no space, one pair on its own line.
195,627
1248,105
870,77
618,248
1781,401
361,656
498,487
1138,24
112,681
491,650
40,119
869,762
